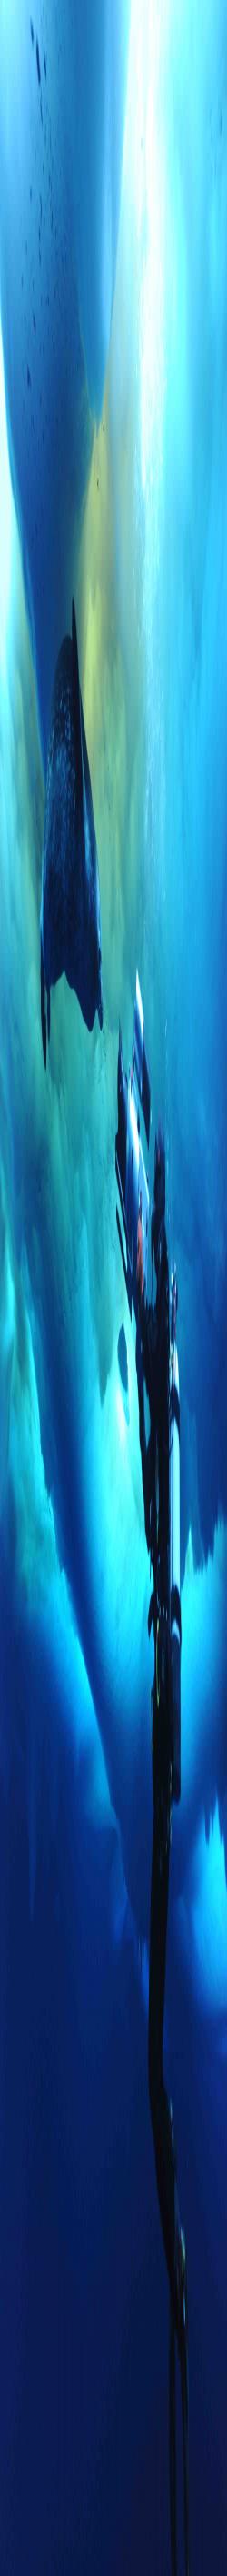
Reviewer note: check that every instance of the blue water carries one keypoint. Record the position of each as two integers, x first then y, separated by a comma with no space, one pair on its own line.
113,403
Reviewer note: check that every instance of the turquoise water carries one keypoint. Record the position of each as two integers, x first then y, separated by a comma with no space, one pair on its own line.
113,446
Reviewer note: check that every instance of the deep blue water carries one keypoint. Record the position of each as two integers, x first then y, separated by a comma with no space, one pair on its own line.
84,2312
113,411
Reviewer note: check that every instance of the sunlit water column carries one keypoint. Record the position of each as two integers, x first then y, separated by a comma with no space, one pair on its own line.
6,509
145,183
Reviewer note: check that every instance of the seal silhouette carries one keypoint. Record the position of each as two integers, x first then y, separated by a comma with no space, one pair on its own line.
70,918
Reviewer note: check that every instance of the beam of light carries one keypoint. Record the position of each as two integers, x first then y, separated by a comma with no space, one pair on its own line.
6,511
203,1913
145,161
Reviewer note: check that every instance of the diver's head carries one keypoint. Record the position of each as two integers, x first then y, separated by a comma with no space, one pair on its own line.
158,1210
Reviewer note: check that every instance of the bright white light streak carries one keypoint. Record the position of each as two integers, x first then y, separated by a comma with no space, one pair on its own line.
6,511
209,1915
145,165
203,1915
134,1127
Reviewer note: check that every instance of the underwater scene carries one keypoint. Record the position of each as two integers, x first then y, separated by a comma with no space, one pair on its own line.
113,1379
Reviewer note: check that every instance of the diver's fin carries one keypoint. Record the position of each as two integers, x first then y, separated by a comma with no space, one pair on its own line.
77,703
172,2443
48,1014
42,996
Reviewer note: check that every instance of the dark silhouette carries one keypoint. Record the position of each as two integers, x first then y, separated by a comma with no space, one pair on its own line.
153,1359
70,918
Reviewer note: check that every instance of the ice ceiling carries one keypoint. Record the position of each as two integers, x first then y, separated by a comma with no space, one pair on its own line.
113,304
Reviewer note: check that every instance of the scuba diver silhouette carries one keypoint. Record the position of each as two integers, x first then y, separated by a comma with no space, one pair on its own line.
153,1366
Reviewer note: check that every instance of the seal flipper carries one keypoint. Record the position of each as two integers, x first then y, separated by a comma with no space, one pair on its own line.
48,1014
42,996
77,704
